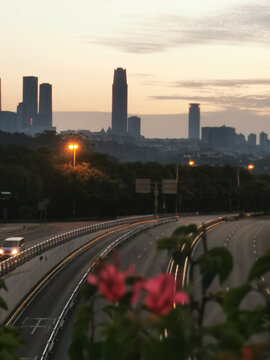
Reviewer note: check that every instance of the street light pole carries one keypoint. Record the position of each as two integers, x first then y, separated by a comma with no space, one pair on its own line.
73,147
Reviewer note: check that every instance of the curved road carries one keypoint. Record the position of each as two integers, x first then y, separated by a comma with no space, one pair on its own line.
37,320
246,240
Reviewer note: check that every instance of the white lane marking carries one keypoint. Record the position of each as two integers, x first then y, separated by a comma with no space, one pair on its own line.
262,278
151,243
254,252
268,291
145,249
225,244
227,288
139,256
36,323
254,245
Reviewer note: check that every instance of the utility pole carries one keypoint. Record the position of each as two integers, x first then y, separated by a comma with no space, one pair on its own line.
156,198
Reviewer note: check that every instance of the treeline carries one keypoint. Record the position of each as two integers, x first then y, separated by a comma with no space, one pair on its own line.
42,180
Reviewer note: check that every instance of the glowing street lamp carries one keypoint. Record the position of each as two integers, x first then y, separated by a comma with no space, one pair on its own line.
250,167
73,147
191,163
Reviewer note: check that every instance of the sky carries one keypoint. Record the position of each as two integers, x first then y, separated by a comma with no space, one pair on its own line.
215,52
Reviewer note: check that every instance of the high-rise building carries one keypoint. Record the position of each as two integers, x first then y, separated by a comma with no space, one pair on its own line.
30,98
219,137
194,121
119,102
45,106
252,139
134,126
0,97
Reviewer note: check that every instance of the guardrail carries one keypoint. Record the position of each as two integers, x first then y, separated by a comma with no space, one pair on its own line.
175,269
61,319
13,262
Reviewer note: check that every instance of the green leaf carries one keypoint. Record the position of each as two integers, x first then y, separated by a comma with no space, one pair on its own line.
227,336
217,261
3,304
260,267
185,230
2,284
167,243
233,298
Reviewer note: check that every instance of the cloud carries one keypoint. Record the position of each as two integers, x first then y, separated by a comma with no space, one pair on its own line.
221,83
246,24
250,102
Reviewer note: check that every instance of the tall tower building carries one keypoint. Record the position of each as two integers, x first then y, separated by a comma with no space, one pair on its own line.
0,97
194,121
30,96
134,126
45,106
119,102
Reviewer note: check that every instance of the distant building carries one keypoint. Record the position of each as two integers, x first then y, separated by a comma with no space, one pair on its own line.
45,106
264,141
8,121
194,121
263,138
0,97
240,139
219,137
134,126
30,101
252,139
119,102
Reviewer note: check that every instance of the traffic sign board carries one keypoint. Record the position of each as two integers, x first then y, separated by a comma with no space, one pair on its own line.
169,186
143,186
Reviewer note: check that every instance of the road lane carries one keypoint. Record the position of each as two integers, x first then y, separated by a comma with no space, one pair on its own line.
39,317
140,251
247,240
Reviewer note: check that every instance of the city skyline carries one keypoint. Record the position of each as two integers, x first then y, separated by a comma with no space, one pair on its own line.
174,53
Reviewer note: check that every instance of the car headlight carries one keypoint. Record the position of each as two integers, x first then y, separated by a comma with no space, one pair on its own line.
1,251
14,252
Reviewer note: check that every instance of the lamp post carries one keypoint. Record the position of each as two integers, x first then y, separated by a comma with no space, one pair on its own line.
249,167
73,147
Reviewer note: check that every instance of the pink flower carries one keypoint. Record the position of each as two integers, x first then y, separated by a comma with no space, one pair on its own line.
110,282
161,294
247,353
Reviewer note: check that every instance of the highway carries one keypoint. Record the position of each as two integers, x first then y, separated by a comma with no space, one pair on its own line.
37,233
246,240
37,320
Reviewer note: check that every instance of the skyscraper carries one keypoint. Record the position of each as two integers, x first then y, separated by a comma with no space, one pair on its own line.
194,121
134,126
119,102
45,106
0,97
30,96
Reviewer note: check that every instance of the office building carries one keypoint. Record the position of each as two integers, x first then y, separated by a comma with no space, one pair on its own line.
134,126
119,102
45,106
252,139
194,121
0,97
8,121
30,98
219,137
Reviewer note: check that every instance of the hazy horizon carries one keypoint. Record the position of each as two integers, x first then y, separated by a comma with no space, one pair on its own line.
215,53
165,125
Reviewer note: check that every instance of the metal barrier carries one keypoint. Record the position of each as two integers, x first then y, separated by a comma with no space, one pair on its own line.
61,319
13,262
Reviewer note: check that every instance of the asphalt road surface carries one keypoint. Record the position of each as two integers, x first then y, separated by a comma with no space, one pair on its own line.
247,240
39,317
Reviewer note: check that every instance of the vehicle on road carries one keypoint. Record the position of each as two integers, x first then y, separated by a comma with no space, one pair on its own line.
11,246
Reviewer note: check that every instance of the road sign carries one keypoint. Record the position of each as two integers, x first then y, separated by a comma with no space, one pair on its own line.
143,186
169,186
